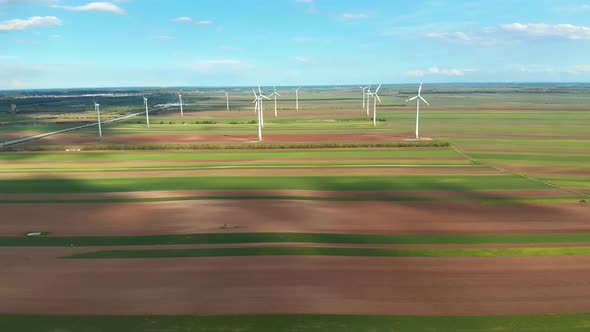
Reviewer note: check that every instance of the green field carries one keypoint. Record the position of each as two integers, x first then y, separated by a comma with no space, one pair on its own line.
332,183
320,251
298,323
243,238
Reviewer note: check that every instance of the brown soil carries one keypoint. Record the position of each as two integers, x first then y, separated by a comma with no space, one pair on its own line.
220,138
206,216
34,282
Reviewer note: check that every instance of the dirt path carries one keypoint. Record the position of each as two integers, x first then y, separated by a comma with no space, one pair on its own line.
207,216
33,282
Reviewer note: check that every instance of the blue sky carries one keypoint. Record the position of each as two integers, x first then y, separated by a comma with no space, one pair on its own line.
79,43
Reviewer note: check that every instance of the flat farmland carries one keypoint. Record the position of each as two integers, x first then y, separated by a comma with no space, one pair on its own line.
326,221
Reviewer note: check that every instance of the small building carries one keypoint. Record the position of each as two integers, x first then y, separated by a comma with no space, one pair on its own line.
13,108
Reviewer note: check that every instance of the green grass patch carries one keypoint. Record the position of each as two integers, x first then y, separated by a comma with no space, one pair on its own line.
298,323
320,251
243,238
221,156
331,183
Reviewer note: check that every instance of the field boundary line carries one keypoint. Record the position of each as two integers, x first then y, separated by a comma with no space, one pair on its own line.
571,191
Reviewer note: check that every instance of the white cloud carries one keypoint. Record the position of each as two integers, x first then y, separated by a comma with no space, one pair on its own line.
30,23
301,58
185,19
542,30
17,84
7,57
203,22
450,36
304,1
579,69
438,71
354,16
182,19
108,7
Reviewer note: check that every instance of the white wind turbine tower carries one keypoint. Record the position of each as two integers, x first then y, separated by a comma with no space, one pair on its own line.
297,98
147,113
275,94
418,98
364,94
180,99
368,103
259,110
226,99
375,98
97,109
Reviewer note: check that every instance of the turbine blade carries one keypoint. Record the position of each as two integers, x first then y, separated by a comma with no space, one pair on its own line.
265,97
379,99
379,87
420,89
424,100
413,98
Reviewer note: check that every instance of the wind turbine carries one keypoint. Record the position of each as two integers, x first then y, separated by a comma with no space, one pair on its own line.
259,110
418,98
368,103
226,99
364,94
297,98
375,98
97,109
147,113
180,98
275,94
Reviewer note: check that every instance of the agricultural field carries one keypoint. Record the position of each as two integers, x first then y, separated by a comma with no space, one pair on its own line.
328,224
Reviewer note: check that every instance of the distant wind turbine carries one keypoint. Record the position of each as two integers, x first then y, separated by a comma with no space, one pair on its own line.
364,94
275,94
147,113
226,99
180,99
418,98
97,109
297,98
368,103
375,98
258,106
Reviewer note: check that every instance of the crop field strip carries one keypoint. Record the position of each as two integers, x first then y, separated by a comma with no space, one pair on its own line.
324,251
578,322
329,183
310,238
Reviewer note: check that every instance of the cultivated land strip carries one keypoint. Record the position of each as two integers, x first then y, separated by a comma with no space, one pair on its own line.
299,323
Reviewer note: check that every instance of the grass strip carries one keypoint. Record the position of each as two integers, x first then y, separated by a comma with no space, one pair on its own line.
298,323
237,238
332,183
322,251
